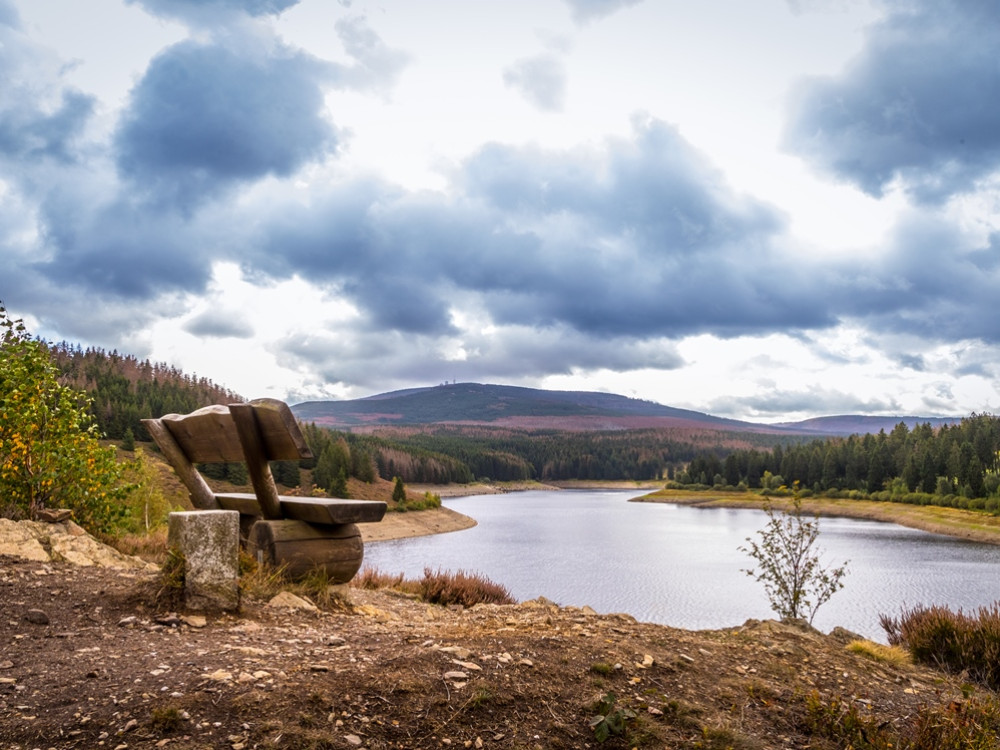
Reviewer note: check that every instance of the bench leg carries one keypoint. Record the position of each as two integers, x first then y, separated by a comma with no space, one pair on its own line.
208,540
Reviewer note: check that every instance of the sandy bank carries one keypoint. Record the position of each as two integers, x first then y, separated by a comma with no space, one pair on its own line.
963,524
415,523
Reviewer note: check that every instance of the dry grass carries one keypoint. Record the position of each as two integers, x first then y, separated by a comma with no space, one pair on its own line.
151,547
439,587
881,653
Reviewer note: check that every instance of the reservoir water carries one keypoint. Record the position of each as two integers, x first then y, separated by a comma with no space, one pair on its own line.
681,566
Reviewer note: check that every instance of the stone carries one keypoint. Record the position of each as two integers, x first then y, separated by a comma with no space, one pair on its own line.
194,621
65,541
289,600
52,515
209,542
36,617
353,739
456,676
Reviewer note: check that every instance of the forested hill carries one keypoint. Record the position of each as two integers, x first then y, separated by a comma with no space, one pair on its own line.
125,390
509,406
856,424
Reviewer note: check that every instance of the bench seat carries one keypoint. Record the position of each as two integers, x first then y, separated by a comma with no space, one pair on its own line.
321,510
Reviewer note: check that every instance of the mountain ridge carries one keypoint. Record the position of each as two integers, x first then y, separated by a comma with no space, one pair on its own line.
534,408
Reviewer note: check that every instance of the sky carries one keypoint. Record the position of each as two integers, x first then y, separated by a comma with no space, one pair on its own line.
767,211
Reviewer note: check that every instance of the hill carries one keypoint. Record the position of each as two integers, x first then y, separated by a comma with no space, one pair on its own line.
531,408
511,406
856,424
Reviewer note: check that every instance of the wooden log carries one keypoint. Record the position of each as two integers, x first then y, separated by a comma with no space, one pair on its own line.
256,459
303,548
331,510
322,510
280,433
202,496
206,435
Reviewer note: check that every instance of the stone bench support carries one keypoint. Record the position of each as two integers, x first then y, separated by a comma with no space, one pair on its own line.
209,541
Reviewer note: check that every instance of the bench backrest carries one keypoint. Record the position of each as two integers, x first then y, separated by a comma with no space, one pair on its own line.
209,435
256,432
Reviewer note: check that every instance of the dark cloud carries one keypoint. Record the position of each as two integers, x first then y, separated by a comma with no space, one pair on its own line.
40,118
928,283
122,250
32,133
541,80
220,324
919,106
348,357
213,11
640,239
204,118
588,10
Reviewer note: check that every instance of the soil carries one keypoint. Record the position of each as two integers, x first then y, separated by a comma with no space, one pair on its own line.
88,659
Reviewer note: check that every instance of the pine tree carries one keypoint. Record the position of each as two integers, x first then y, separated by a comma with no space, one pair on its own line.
399,494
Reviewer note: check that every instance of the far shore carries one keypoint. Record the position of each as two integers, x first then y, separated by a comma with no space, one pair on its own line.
963,524
498,488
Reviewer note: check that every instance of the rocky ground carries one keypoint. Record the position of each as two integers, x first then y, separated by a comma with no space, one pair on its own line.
87,659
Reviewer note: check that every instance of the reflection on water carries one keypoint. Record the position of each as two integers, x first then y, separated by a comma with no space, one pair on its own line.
681,566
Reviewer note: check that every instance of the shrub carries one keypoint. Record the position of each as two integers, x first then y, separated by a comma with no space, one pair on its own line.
49,450
788,566
439,587
953,641
973,725
466,589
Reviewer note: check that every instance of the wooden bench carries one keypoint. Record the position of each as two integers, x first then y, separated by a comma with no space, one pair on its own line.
300,533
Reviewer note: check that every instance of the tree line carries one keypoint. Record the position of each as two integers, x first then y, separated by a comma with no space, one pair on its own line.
961,460
123,389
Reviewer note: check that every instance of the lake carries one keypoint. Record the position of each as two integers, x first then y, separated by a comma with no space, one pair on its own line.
681,566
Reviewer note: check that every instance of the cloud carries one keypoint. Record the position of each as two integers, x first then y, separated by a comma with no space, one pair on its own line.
812,400
219,324
540,79
40,117
929,282
212,12
588,10
204,118
377,66
344,355
919,107
639,238
9,16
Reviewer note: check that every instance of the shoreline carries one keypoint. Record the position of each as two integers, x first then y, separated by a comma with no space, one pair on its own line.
953,522
500,488
415,523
